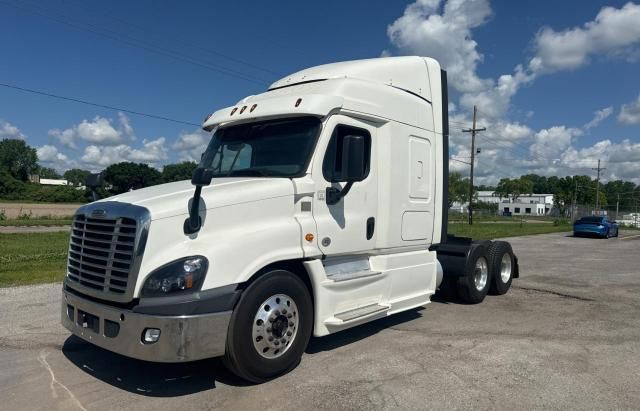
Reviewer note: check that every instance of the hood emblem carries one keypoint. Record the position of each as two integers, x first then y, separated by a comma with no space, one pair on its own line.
99,213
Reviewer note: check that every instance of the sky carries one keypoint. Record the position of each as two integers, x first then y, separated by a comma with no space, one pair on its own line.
556,83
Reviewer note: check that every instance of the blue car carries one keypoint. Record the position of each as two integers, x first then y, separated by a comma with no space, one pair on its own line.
595,225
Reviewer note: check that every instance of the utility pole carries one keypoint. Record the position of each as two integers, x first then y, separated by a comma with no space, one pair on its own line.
618,206
598,187
473,130
575,202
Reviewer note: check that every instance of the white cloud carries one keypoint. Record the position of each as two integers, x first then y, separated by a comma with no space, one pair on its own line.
50,156
630,113
446,35
614,32
444,30
552,141
191,145
622,160
8,130
598,117
98,157
100,131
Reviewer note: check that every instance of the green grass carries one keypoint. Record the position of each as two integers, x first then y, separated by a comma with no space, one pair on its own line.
36,221
32,258
489,231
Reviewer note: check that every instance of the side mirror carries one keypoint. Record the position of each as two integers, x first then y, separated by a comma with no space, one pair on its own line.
94,181
201,176
354,167
353,159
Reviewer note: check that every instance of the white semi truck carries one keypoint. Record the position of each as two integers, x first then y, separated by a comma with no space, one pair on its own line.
319,205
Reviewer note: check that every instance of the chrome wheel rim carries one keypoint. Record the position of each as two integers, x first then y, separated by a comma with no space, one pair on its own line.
481,273
275,326
505,268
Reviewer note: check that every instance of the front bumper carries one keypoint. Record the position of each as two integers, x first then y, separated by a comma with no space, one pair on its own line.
182,338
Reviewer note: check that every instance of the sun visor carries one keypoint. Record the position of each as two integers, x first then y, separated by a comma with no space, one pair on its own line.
290,105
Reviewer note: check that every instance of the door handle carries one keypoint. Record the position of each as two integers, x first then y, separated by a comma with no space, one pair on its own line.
371,225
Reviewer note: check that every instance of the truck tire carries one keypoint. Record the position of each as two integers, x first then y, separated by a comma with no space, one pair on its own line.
474,285
502,264
269,328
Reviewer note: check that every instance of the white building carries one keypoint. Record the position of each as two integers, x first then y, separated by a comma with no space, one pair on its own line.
53,182
527,204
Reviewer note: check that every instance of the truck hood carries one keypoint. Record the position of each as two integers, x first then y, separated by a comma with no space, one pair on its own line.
172,199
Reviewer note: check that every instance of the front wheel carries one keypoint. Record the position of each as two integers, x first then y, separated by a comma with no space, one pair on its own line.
270,327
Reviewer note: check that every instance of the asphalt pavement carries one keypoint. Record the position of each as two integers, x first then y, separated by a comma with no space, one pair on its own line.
567,335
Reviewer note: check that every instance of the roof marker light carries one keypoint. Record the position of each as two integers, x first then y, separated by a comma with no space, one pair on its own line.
298,102
207,117
234,111
243,109
253,108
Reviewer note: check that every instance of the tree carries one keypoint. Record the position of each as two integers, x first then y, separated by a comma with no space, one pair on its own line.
76,176
47,172
514,188
458,189
179,171
125,176
17,158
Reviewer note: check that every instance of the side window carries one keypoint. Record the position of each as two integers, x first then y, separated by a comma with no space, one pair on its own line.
332,164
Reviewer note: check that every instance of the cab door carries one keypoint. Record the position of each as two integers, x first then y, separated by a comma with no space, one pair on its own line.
347,226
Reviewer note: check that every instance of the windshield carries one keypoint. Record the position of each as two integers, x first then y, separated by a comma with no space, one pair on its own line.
272,148
596,220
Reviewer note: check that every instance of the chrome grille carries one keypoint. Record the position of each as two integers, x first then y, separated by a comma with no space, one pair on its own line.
102,253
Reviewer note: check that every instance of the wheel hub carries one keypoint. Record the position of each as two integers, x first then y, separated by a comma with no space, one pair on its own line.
275,326
505,268
481,273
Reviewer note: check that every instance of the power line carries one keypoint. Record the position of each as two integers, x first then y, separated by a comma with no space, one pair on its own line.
76,100
135,42
182,41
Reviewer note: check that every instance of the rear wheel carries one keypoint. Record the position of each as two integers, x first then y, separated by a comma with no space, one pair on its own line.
270,327
502,262
474,285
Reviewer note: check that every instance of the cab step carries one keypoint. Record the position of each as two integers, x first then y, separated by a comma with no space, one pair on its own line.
361,312
337,277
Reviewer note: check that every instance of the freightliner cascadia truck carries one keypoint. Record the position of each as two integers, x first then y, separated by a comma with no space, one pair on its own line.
318,205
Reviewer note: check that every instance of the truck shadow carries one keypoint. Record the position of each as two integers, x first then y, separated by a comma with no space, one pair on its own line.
175,380
147,378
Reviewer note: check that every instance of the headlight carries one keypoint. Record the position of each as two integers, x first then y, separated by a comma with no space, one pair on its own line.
181,276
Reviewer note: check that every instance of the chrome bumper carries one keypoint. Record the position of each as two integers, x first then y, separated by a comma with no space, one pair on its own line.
182,338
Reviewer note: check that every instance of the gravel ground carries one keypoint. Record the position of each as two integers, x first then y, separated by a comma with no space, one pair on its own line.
567,335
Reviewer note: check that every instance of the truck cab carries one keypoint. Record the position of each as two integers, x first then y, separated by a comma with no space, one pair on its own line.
318,205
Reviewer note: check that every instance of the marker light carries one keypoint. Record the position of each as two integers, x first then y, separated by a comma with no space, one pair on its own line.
298,102
253,108
233,111
243,109
309,237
